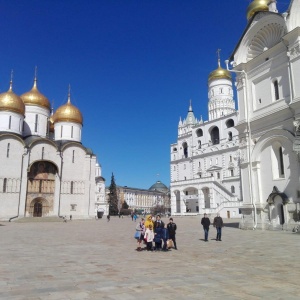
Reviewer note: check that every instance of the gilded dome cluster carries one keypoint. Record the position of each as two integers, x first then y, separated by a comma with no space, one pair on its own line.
255,6
9,101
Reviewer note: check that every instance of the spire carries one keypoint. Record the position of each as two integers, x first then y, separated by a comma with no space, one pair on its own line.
11,79
190,107
180,122
219,60
190,119
35,77
69,94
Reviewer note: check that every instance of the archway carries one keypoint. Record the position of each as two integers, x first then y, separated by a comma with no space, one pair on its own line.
39,207
41,188
276,201
215,136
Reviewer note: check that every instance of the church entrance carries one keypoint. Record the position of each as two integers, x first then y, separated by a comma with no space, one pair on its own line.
38,209
41,189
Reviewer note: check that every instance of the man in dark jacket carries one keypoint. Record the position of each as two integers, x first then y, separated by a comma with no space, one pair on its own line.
218,223
205,223
172,232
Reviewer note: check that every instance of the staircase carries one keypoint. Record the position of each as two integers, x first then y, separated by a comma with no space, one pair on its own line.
37,219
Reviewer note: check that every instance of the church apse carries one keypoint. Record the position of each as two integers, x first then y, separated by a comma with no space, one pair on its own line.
40,189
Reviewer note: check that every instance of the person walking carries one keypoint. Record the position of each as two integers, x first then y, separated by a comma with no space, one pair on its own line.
205,223
218,223
172,227
108,218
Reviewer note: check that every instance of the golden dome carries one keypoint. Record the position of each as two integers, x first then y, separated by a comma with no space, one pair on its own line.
9,101
255,6
68,113
219,73
34,97
51,124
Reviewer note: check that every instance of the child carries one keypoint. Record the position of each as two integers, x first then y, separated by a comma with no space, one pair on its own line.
149,236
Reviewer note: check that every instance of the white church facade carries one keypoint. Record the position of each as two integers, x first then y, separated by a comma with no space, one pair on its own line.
266,62
205,172
45,170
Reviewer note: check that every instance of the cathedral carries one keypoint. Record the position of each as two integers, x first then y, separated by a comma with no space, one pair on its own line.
45,170
205,173
247,160
266,61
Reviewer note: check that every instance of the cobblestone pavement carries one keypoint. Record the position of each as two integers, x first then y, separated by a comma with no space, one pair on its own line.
96,259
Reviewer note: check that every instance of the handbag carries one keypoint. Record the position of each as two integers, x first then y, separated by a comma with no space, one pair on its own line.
137,235
170,244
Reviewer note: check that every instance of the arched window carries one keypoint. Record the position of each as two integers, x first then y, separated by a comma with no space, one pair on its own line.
9,123
218,175
73,156
229,123
232,189
229,136
43,151
199,144
277,160
199,132
185,150
61,131
7,150
72,132
276,89
72,187
36,123
4,185
231,173
215,137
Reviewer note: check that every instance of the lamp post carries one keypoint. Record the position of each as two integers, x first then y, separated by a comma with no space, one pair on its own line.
247,109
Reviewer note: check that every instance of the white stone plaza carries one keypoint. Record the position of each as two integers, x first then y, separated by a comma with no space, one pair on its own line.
96,259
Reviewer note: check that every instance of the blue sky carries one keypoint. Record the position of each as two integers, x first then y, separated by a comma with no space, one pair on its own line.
133,66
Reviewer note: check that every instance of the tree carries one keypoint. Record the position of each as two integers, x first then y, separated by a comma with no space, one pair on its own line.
113,197
125,205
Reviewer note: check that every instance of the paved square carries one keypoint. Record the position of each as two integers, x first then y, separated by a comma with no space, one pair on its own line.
96,259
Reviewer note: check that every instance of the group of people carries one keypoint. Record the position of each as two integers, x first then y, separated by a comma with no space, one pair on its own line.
155,234
160,237
218,224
